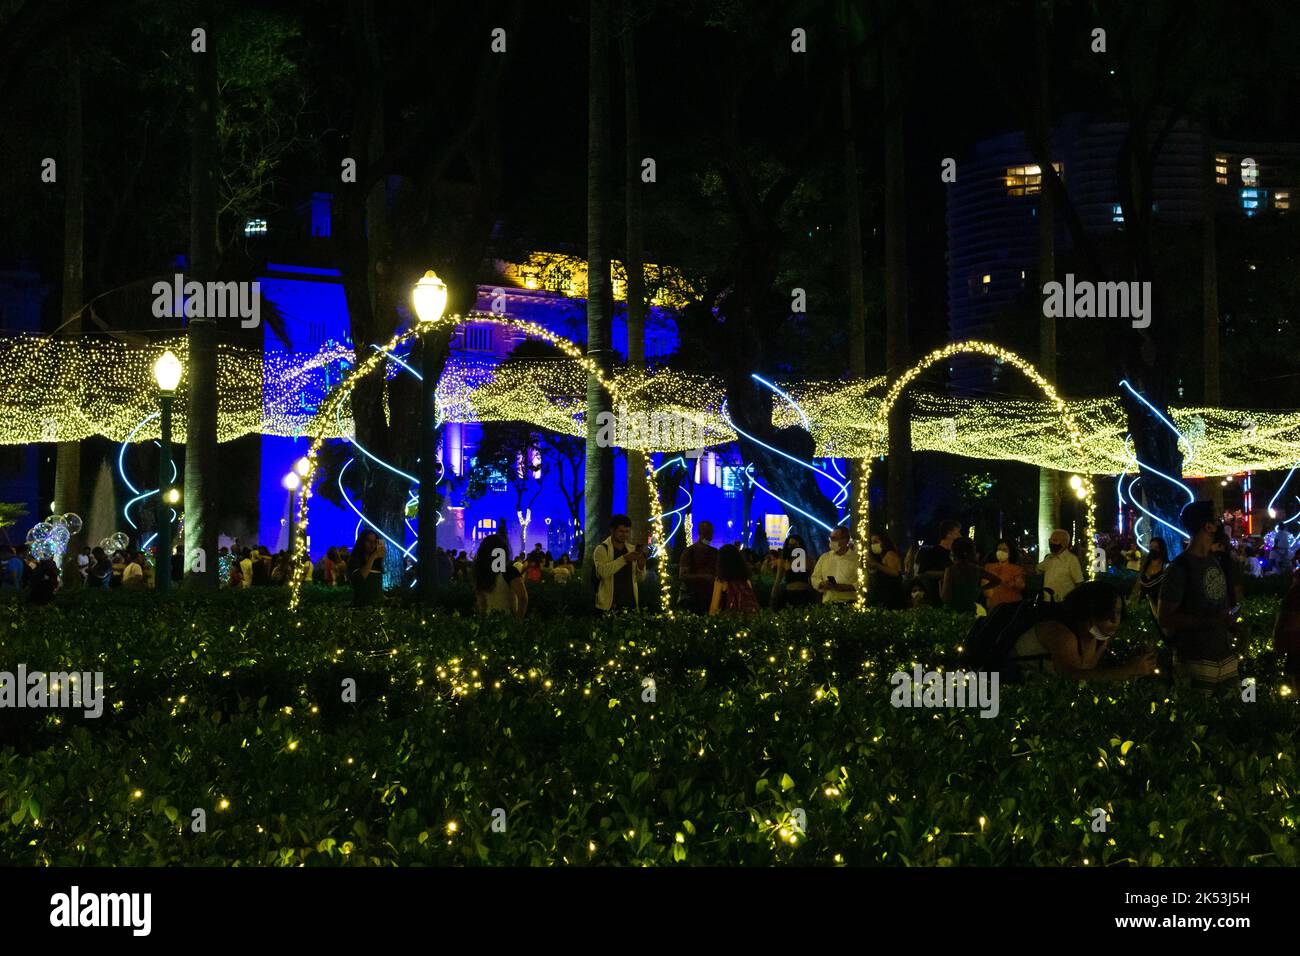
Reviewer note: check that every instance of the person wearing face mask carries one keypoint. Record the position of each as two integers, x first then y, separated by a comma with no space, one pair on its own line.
1061,570
1073,644
1195,608
885,574
1009,573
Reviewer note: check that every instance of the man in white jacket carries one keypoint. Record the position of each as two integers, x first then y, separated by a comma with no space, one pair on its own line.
619,569
836,573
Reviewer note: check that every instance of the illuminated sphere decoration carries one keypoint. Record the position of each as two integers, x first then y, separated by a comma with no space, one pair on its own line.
429,297
167,372
291,481
303,466
173,496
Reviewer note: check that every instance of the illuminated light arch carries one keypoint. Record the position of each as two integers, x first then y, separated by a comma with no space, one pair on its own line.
333,403
880,428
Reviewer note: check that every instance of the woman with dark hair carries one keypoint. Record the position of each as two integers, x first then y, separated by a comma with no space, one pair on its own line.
1006,568
1073,645
366,569
731,588
498,585
885,570
1152,574
963,581
100,574
792,584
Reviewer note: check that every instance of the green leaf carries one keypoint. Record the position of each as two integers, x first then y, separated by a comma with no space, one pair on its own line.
786,782
1127,746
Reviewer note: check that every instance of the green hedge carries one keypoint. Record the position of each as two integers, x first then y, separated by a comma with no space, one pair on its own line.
231,699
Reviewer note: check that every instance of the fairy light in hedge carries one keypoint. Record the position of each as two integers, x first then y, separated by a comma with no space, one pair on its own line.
880,430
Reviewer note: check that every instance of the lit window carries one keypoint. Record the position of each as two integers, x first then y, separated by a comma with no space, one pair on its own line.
1250,201
1281,200
255,227
1221,170
1117,213
1249,172
1026,180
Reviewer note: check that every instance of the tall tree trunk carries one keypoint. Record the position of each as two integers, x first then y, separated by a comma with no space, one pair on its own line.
899,492
599,461
67,476
1210,296
1049,482
853,253
1148,361
201,476
638,488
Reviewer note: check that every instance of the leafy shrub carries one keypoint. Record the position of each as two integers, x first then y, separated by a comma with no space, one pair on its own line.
231,706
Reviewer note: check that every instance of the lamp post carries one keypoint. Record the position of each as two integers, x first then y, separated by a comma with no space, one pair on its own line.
429,297
291,483
167,374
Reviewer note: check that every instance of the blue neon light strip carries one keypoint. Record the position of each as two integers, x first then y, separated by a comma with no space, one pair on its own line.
1282,487
1160,415
378,530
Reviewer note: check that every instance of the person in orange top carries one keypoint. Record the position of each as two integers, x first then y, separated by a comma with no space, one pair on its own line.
1006,569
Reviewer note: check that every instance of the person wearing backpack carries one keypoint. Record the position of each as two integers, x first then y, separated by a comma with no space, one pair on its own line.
731,588
618,568
1070,639
1195,602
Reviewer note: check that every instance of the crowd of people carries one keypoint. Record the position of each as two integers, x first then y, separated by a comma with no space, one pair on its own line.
1193,600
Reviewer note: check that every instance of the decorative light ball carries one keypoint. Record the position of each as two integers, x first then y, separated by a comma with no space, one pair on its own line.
120,541
291,481
73,521
303,466
1076,482
173,496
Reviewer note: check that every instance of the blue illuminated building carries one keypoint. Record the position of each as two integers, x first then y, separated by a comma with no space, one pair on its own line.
311,299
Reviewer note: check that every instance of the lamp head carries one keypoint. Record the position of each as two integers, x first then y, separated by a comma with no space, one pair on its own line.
167,372
429,297
291,481
302,466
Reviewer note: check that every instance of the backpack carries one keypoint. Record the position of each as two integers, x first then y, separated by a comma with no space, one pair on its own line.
992,639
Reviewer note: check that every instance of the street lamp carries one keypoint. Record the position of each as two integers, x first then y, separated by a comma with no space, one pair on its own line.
429,299
167,374
291,482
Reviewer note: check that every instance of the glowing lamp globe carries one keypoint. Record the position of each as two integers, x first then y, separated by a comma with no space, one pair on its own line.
302,466
1076,482
429,297
173,496
167,371
1080,493
291,481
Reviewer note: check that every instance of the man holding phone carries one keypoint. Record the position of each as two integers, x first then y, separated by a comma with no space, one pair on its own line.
836,572
366,570
620,567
